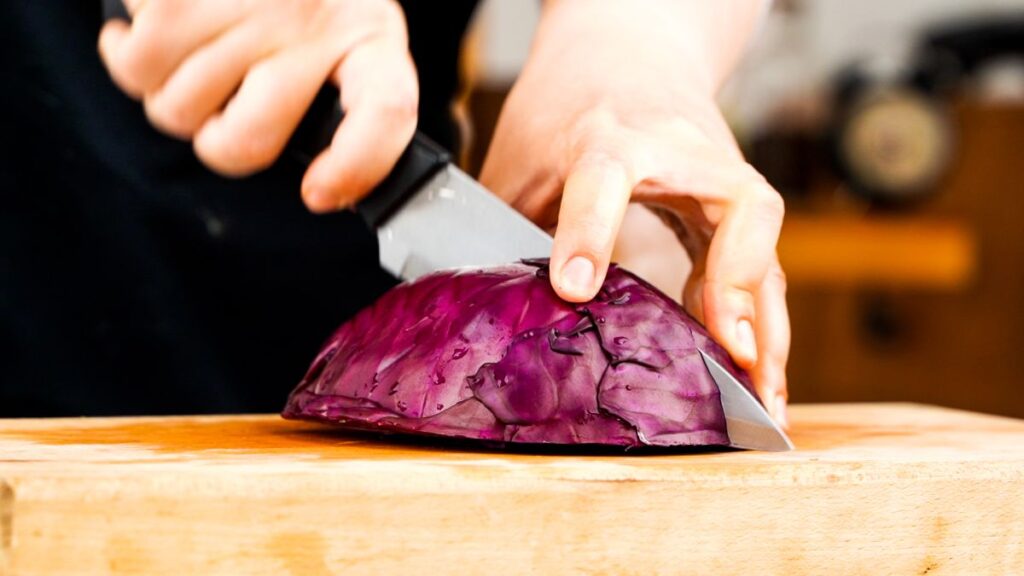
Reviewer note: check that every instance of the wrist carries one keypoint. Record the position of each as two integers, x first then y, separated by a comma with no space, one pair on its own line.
677,43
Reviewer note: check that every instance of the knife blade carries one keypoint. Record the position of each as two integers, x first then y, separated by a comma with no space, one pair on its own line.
452,221
747,422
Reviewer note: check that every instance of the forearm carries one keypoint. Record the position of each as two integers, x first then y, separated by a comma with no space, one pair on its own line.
698,41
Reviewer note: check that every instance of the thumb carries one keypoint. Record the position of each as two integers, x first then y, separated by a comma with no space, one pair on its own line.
594,202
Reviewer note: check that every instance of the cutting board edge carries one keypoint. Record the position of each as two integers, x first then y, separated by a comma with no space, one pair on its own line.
108,421
286,531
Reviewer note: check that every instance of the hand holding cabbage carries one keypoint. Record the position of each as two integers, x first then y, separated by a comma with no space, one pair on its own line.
616,104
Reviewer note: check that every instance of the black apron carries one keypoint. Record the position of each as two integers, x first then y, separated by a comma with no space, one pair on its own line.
135,281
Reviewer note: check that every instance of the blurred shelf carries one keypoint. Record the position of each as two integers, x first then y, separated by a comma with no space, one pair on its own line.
902,252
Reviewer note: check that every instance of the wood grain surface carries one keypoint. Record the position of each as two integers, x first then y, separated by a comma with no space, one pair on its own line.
871,489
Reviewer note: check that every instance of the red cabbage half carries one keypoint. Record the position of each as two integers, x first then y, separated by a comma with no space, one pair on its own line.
493,354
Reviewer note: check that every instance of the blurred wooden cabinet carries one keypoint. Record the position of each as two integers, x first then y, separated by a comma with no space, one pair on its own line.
957,345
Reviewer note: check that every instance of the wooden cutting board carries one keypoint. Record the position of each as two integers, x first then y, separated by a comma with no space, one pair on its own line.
872,489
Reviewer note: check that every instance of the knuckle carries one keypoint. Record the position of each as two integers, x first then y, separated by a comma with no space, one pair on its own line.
769,202
136,58
142,58
382,17
229,156
170,115
730,294
391,14
594,125
401,105
594,236
211,155
777,275
769,193
161,10
724,301
738,294
298,16
772,203
124,71
237,146
249,153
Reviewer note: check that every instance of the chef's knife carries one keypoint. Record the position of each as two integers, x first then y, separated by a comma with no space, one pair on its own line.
429,215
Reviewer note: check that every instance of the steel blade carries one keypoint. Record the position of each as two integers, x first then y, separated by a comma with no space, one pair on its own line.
748,423
452,221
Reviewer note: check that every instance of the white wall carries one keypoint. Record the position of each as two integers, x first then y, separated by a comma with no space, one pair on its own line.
502,30
797,50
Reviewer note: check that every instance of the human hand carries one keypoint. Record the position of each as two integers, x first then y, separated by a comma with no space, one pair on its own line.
608,110
236,78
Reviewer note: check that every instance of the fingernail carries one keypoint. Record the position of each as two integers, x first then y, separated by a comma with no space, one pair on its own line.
578,275
745,339
780,411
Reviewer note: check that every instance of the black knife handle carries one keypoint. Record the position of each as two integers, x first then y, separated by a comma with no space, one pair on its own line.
421,159
115,9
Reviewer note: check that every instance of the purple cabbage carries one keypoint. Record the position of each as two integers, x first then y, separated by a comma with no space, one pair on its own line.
494,354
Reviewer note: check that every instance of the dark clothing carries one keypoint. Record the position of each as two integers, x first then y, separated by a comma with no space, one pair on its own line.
135,281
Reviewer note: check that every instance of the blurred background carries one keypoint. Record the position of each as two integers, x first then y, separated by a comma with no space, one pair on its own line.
895,131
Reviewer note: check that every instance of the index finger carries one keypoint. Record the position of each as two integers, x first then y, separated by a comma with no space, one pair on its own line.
379,93
594,202
741,253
